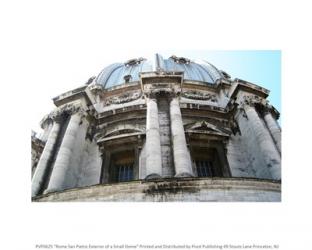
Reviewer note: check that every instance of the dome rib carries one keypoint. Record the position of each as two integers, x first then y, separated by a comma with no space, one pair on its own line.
121,73
103,78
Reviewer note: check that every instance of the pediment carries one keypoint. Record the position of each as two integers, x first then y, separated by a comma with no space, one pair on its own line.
119,134
206,128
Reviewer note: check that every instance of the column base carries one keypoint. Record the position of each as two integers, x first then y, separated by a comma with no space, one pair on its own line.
184,174
152,177
47,191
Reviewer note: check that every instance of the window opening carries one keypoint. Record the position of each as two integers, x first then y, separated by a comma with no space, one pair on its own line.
124,173
204,168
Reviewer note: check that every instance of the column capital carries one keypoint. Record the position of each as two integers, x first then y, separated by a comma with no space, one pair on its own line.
46,120
169,91
67,109
96,88
253,100
269,109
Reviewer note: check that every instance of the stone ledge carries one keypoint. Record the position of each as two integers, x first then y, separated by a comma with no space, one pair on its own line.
174,189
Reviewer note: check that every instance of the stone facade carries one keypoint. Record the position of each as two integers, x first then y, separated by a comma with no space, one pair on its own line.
176,124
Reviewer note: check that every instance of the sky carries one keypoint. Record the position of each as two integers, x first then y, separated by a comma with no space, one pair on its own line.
262,67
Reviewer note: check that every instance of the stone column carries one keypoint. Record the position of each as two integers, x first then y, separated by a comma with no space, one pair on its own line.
153,149
274,129
61,164
41,170
264,140
182,159
47,130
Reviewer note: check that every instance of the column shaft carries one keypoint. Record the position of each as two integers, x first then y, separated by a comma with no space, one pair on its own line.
265,142
182,159
45,135
61,164
153,149
274,129
41,170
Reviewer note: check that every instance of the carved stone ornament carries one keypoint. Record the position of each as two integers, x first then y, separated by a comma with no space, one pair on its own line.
134,61
127,97
169,91
252,100
68,109
46,120
198,95
96,88
90,80
206,127
180,60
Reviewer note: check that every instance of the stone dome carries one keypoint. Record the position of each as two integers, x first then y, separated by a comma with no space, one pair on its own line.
121,73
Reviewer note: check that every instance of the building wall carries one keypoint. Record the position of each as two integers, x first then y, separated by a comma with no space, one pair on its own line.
239,160
90,165
191,190
115,120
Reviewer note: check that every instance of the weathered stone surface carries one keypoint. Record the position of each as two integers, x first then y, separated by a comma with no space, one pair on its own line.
165,137
239,157
89,166
153,147
41,170
274,130
165,124
58,179
181,156
267,151
170,190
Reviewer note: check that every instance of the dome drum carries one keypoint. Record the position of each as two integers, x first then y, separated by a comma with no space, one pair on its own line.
160,130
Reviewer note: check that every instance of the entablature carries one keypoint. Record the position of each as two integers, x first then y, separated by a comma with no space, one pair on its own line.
120,142
123,116
248,87
71,96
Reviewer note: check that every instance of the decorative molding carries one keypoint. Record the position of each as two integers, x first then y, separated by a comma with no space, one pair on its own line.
199,95
134,61
67,109
126,97
90,80
270,109
96,88
46,120
153,93
252,100
180,60
206,127
126,129
123,131
263,106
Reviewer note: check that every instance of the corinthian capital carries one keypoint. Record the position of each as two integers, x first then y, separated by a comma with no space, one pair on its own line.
252,100
65,110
